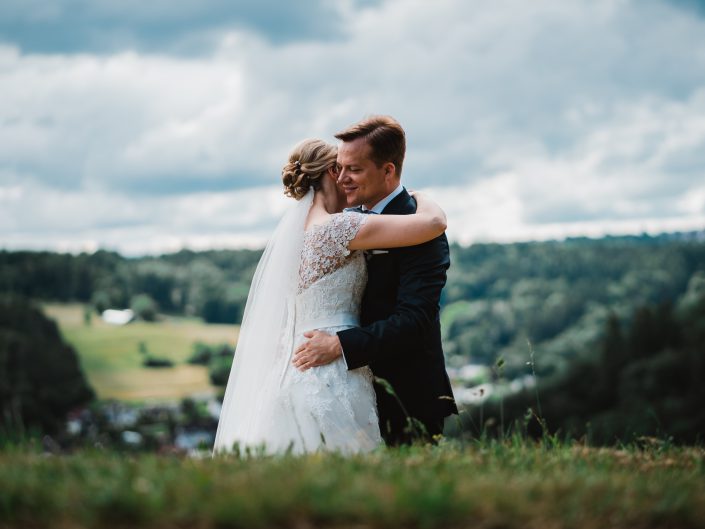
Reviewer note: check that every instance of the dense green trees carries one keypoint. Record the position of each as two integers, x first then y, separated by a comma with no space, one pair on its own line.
614,324
211,284
556,295
643,378
40,376
617,326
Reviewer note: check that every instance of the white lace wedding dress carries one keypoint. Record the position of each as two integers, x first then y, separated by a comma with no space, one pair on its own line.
327,407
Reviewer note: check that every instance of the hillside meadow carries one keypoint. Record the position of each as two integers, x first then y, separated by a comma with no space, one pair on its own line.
487,484
110,355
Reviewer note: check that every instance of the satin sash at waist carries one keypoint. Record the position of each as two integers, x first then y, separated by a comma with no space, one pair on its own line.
333,320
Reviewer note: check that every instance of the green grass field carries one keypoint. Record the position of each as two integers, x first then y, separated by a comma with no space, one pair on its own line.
113,364
515,484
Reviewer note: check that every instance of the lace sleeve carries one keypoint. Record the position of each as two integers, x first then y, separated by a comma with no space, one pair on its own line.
326,246
340,230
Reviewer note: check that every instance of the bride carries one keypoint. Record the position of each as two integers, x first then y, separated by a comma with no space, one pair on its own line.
312,275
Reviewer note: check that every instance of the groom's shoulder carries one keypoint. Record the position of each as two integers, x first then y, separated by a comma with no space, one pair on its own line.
402,204
436,249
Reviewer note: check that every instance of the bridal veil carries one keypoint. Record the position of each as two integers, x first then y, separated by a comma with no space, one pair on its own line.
266,333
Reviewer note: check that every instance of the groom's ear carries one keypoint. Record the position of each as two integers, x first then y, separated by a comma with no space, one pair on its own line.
390,170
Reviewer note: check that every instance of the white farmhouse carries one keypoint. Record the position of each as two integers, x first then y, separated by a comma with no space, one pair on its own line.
117,317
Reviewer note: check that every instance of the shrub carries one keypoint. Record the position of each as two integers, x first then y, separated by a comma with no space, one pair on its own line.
144,307
204,353
156,361
201,355
219,370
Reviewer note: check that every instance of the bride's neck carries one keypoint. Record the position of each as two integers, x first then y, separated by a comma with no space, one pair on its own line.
327,198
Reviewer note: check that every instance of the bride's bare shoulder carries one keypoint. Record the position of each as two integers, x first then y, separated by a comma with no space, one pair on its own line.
317,221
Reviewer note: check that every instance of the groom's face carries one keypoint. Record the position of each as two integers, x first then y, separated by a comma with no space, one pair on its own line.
362,181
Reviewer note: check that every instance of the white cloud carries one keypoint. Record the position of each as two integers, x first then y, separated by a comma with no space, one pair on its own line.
37,217
548,117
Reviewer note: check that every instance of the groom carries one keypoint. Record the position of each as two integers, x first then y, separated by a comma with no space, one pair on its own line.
400,334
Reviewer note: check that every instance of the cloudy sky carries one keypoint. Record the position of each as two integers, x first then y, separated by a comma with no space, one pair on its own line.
145,127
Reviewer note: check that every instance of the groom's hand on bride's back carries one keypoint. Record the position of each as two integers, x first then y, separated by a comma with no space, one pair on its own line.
320,349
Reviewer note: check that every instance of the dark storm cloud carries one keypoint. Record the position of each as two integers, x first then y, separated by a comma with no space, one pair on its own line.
695,6
184,183
188,27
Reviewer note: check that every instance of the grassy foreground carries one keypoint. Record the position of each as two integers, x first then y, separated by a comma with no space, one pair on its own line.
488,484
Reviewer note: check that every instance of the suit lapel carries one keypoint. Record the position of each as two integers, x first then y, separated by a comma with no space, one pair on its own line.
399,205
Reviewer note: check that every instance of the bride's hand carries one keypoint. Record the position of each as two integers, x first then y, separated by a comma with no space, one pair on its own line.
426,206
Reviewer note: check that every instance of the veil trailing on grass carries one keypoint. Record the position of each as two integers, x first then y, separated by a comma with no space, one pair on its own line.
266,335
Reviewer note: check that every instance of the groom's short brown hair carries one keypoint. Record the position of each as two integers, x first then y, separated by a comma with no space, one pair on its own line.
385,137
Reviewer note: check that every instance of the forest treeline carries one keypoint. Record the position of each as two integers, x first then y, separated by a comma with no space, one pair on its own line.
502,300
211,284
548,304
498,298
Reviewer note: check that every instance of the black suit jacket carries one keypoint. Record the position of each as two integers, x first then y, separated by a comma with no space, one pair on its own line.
400,332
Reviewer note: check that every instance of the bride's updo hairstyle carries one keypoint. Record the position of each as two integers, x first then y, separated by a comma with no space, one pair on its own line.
308,163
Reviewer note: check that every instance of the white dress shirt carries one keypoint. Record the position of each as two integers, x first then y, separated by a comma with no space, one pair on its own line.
379,206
